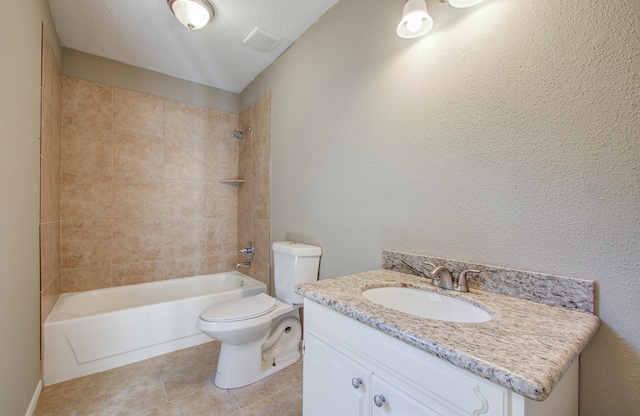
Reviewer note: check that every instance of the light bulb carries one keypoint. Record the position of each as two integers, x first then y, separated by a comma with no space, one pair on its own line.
464,3
415,20
414,24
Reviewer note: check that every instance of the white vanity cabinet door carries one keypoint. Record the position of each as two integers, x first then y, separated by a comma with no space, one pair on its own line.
329,385
387,399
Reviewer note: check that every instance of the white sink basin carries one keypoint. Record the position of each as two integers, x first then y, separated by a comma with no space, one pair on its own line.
427,304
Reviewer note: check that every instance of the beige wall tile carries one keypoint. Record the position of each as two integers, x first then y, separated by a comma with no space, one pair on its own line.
176,268
138,114
83,153
138,155
86,197
221,264
260,271
184,239
221,237
185,159
261,193
262,116
49,192
134,273
86,243
48,298
222,124
244,233
261,156
185,121
184,199
222,200
245,160
222,158
78,280
245,198
137,198
261,240
136,241
88,107
49,252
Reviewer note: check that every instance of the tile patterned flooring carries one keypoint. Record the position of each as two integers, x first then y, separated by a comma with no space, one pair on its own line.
179,383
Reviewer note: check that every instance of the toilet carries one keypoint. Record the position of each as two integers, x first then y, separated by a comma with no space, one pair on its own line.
260,334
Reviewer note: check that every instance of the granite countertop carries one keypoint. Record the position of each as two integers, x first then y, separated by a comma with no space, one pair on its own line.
526,347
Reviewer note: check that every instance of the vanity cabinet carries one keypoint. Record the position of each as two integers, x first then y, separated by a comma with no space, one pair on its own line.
351,369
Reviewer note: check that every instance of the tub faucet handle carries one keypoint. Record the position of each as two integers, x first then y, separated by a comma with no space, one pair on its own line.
248,250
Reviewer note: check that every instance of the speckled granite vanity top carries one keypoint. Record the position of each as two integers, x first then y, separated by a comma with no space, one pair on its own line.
526,347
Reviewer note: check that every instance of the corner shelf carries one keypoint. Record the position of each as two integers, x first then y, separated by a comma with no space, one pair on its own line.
232,180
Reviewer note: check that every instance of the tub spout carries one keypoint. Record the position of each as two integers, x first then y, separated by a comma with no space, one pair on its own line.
243,264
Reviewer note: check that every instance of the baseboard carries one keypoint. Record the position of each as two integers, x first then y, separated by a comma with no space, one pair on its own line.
31,410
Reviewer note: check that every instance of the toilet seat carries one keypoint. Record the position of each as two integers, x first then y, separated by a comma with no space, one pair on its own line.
239,309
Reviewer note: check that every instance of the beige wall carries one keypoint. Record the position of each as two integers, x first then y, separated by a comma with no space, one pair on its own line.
20,29
50,141
105,71
507,136
140,193
254,194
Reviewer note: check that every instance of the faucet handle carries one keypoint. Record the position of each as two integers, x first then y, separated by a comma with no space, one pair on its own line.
462,281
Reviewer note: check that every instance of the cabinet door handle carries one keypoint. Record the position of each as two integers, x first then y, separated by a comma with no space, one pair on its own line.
379,400
356,382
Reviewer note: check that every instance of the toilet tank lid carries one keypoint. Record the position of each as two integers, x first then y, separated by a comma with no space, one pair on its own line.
296,249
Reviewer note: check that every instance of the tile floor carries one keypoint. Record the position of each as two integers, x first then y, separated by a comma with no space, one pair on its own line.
179,383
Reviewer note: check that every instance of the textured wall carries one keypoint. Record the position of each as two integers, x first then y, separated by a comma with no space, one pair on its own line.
21,31
509,135
140,193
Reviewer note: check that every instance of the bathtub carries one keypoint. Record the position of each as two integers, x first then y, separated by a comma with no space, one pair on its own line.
90,332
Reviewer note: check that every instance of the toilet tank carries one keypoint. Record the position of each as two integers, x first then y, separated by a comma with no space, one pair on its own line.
294,263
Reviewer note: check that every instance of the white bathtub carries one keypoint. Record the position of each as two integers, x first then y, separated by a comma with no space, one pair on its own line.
90,332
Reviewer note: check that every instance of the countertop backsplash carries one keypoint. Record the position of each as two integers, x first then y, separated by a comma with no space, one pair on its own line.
560,291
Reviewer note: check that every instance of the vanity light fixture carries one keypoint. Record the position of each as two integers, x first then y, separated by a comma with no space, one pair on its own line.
417,22
194,14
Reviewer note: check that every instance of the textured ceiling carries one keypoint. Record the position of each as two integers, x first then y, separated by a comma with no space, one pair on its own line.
146,34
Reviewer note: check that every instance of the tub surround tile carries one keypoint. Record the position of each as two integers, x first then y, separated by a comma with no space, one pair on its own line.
222,235
135,197
137,240
184,238
185,159
183,121
138,155
564,292
134,273
88,107
86,197
526,347
222,157
49,191
177,268
220,264
138,113
184,199
90,278
221,127
222,200
260,198
86,243
84,153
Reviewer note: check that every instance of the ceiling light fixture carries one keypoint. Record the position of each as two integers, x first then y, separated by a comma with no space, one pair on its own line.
417,22
194,14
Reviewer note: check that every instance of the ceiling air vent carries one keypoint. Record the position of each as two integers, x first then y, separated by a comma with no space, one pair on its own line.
262,40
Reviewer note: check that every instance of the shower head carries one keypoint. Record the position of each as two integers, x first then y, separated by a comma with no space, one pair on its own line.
238,133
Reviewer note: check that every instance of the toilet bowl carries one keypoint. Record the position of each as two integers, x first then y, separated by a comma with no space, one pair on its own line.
260,334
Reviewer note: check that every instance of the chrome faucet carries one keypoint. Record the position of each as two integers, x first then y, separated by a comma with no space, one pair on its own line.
441,277
243,264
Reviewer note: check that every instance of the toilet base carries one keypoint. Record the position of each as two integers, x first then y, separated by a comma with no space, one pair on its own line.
241,365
